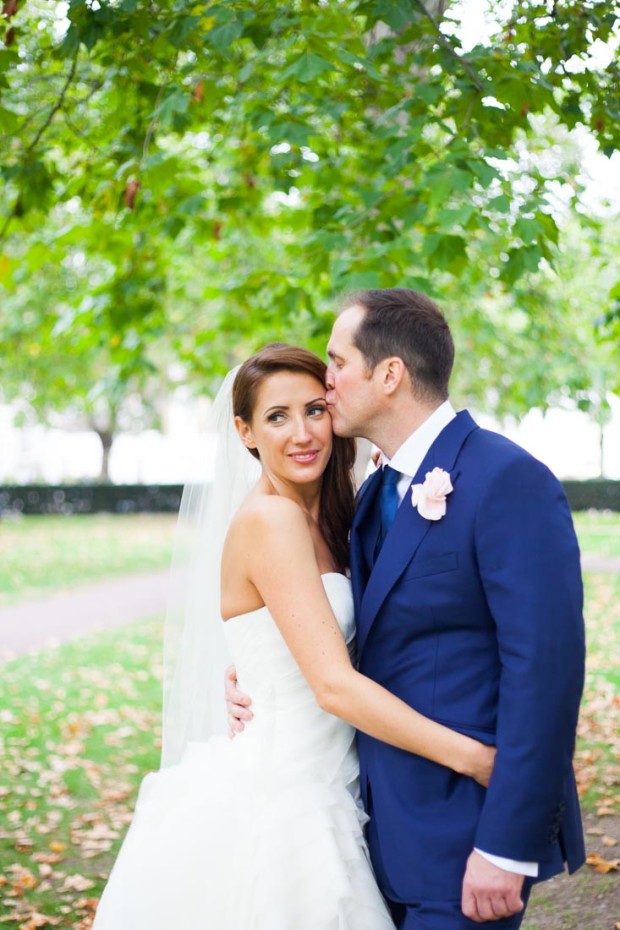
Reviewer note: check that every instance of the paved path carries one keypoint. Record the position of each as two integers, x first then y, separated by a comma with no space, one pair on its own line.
69,614
104,605
601,563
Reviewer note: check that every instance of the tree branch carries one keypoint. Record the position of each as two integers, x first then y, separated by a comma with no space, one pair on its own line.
151,127
459,129
52,113
78,132
57,106
473,76
7,221
94,87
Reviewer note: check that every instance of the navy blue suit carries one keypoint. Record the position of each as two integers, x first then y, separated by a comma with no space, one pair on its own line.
476,621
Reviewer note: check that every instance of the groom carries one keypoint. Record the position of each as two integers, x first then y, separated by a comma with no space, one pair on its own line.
468,599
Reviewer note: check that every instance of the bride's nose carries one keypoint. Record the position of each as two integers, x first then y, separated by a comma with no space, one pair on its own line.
301,433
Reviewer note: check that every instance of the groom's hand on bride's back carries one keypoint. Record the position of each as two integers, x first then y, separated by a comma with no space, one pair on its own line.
237,703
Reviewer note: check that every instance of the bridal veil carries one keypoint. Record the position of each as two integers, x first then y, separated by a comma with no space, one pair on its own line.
195,652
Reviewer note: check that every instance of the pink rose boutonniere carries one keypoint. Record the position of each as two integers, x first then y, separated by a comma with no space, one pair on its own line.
430,497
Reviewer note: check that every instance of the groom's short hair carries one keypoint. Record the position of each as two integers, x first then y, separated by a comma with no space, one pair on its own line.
409,325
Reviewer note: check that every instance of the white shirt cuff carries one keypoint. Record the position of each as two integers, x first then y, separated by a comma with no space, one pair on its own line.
512,865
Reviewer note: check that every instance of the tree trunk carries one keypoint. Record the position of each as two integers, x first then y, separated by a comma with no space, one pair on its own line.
106,437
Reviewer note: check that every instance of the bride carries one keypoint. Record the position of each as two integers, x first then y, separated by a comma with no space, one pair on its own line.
266,832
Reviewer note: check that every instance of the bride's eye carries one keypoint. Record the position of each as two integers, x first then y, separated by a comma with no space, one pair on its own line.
317,408
275,417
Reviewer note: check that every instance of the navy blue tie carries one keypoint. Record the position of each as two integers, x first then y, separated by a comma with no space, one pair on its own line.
389,502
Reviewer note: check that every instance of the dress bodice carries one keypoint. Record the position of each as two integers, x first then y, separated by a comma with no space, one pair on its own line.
287,719
259,650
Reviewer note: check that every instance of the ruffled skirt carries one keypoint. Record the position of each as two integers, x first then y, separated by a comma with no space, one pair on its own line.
223,842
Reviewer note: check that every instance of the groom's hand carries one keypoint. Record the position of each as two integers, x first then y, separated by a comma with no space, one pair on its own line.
489,892
237,703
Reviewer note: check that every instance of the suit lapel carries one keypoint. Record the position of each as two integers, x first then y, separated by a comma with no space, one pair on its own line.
409,528
399,547
363,534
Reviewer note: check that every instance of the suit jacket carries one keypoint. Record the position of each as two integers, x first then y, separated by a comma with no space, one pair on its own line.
476,621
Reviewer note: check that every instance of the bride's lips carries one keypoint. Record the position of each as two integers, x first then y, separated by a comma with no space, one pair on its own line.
305,458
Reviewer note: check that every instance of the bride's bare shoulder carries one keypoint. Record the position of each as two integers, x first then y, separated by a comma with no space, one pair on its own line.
262,511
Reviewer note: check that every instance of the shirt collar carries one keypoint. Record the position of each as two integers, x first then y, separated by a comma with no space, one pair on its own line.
408,458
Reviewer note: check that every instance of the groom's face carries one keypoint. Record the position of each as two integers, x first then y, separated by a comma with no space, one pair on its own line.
351,390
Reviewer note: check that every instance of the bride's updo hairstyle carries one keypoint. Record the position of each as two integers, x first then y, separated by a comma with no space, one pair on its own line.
337,491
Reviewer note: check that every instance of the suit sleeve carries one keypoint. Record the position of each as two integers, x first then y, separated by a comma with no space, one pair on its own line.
529,564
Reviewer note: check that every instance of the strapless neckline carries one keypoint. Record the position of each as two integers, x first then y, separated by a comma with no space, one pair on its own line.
258,610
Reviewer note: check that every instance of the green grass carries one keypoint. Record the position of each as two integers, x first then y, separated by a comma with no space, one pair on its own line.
80,727
598,745
599,532
39,554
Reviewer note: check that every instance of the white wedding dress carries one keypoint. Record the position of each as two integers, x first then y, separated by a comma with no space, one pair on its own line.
260,833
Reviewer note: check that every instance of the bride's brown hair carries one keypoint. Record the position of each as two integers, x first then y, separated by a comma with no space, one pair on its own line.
337,490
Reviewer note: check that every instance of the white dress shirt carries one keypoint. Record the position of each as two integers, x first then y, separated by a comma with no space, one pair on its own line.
407,459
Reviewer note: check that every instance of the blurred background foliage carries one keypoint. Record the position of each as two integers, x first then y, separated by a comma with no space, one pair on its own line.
182,182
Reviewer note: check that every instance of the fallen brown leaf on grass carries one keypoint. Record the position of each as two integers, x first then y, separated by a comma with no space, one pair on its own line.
21,878
77,883
605,810
39,920
30,919
601,865
57,847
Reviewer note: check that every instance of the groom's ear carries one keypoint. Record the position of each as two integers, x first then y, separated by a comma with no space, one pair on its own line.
392,374
245,433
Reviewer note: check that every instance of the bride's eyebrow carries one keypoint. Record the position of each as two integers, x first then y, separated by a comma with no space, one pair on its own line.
317,400
275,407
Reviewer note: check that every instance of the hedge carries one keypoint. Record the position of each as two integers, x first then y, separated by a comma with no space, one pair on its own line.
90,498
595,494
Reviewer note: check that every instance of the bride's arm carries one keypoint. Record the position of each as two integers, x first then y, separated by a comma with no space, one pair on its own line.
283,569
